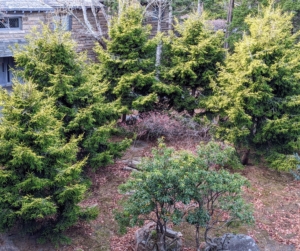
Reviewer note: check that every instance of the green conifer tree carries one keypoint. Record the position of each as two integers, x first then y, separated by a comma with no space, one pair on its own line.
192,56
50,60
127,66
40,178
246,7
257,91
215,8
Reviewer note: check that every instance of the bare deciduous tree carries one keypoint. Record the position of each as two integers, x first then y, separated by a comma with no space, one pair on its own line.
160,10
94,24
164,11
229,20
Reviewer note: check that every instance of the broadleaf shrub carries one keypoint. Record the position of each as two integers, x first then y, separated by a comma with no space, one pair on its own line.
176,186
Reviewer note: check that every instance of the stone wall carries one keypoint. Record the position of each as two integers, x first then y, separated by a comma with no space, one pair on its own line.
29,20
84,40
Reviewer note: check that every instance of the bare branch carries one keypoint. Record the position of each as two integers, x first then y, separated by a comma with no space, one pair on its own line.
106,16
96,32
98,25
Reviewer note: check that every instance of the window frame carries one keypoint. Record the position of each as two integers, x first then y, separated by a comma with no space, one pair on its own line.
12,17
154,13
58,19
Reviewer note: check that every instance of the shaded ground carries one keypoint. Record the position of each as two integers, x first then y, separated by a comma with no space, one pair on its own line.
275,196
276,200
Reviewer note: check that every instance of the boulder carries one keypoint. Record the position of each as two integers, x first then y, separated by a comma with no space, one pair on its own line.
134,163
145,239
131,119
6,243
232,242
131,164
128,168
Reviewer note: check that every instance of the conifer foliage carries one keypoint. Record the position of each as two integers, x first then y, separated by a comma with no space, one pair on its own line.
50,60
257,91
127,66
40,178
190,60
252,7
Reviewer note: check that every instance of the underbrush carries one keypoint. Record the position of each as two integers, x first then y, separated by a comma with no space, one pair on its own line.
153,125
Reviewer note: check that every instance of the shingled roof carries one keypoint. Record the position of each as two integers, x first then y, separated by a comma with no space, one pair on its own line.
70,3
24,5
40,5
6,45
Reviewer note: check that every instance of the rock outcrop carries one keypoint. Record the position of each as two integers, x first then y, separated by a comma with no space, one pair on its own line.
145,239
232,242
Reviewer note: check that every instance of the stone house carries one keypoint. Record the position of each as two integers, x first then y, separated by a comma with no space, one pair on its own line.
18,17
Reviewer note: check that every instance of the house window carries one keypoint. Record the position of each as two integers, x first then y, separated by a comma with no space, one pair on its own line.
64,22
10,22
155,12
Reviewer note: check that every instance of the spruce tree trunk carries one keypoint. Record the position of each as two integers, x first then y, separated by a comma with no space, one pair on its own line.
193,92
245,157
123,118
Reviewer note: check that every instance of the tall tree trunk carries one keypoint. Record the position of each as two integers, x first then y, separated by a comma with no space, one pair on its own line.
159,45
120,9
199,7
229,20
170,23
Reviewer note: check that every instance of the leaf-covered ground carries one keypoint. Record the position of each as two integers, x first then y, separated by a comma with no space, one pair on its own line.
275,197
276,200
